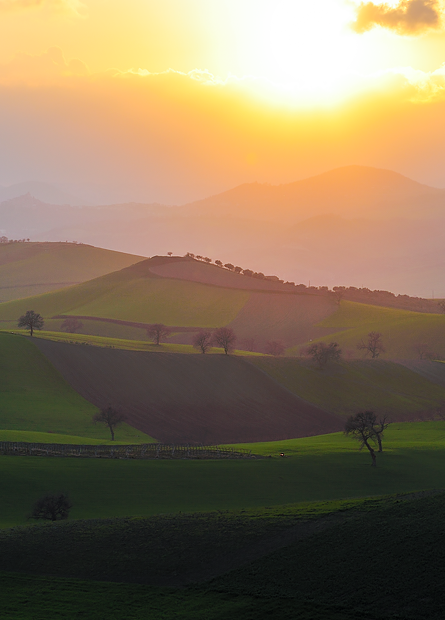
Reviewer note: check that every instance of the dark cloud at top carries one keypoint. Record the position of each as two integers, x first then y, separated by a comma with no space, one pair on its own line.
409,17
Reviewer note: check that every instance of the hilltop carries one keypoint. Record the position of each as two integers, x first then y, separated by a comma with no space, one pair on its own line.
356,225
28,268
188,295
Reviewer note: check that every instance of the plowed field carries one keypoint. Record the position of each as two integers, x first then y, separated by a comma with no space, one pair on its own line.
179,398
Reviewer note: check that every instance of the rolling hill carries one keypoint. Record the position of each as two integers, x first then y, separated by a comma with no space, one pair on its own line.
28,269
356,226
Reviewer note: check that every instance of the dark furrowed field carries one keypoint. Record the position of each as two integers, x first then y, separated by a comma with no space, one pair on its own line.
180,399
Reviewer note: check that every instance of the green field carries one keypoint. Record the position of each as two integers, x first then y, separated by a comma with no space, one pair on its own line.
314,469
347,387
34,397
137,299
402,330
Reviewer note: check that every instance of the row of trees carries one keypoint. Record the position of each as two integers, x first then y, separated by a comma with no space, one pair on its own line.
322,353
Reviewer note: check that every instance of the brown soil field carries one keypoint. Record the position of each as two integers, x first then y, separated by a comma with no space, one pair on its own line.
188,399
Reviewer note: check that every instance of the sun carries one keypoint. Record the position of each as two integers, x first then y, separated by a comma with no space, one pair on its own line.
308,46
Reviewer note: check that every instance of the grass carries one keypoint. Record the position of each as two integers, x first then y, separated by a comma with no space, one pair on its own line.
29,597
139,299
35,397
129,345
347,387
36,437
25,265
402,330
395,551
315,469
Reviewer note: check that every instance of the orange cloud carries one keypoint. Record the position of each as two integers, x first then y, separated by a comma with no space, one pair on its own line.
41,69
409,17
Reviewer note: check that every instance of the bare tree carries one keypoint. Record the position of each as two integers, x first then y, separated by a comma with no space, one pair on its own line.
360,427
323,353
158,331
380,425
110,417
31,320
203,340
71,325
52,507
225,337
373,345
424,351
275,347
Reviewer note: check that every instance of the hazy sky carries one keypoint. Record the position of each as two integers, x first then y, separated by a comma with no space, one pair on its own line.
174,100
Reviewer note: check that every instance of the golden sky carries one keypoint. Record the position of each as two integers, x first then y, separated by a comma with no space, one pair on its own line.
174,100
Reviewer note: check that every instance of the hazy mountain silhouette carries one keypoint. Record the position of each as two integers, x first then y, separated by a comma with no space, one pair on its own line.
42,191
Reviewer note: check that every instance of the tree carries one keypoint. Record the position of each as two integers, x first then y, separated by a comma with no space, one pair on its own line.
31,320
110,417
248,344
373,345
71,325
229,266
225,337
218,263
339,293
380,425
157,331
169,253
424,351
323,353
203,341
361,427
441,305
238,269
275,347
52,507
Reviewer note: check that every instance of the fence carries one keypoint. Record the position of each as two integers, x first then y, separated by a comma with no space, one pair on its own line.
141,451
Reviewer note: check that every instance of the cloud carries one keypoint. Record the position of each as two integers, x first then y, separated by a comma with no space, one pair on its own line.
409,17
71,6
41,69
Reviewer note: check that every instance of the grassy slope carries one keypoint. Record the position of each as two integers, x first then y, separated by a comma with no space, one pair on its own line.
396,551
402,330
317,468
382,386
30,268
130,345
34,397
142,299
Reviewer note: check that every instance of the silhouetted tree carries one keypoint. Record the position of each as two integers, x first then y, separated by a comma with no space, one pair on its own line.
373,345
158,331
71,325
110,417
207,259
275,347
248,272
203,341
424,351
31,320
169,253
237,269
218,263
225,337
339,293
229,266
361,427
380,425
323,353
52,507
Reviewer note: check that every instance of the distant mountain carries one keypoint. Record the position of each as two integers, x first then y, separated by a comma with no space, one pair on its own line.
42,191
355,226
352,191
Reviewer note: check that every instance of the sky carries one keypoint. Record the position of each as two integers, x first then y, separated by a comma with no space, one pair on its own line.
176,100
